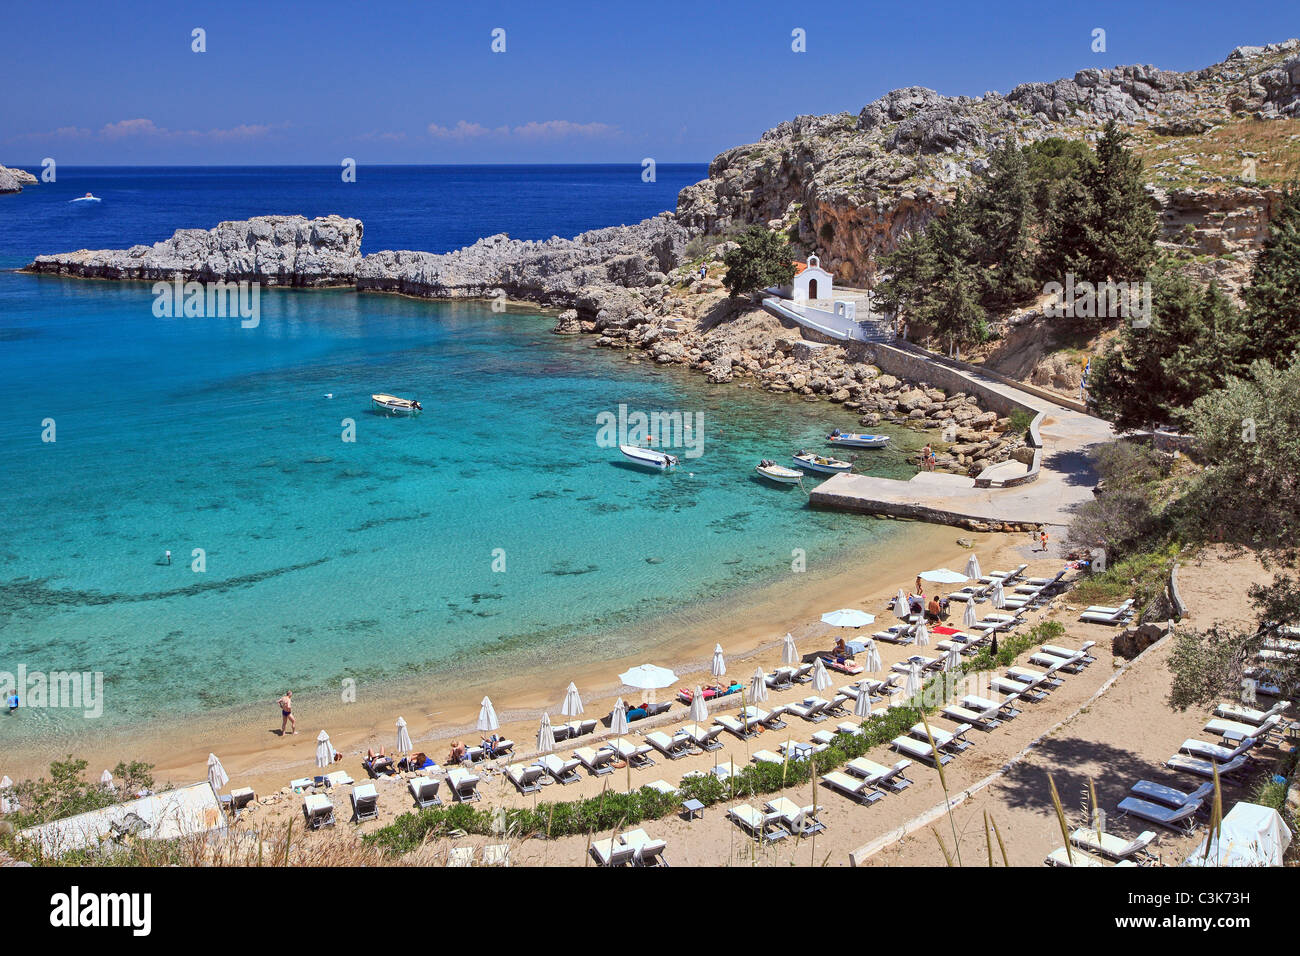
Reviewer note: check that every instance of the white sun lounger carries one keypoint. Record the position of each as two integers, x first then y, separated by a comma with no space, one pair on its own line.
1181,819
463,784
870,771
1240,730
759,825
461,856
985,720
1250,715
945,740
597,762
800,821
526,777
638,755
1112,616
609,853
766,756
1006,707
741,729
1158,792
318,810
1208,751
562,771
424,790
1076,857
1084,649
645,851
1204,768
705,739
670,747
919,750
662,786
365,802
1116,848
809,709
862,791
498,854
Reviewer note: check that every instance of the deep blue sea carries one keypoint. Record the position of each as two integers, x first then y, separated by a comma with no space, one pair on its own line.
374,559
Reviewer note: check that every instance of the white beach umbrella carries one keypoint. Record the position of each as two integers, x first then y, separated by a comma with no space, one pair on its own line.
572,706
943,576
618,719
968,616
913,681
648,677
862,706
821,680
324,750
487,716
973,568
719,662
872,663
403,738
758,687
902,610
789,653
997,598
106,779
922,633
545,735
848,617
699,708
216,774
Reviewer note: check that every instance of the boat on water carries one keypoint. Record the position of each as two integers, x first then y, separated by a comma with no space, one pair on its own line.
857,440
819,463
779,473
396,406
89,197
648,457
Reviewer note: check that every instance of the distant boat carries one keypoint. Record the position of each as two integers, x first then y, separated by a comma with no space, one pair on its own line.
648,457
397,406
857,440
779,473
828,466
86,198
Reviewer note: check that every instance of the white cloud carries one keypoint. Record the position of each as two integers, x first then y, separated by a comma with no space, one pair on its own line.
548,129
147,129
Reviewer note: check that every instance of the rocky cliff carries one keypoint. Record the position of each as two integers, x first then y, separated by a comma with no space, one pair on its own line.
850,186
13,180
273,250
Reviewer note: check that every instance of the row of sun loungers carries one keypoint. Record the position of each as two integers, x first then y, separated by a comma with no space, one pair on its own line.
780,818
1112,616
634,848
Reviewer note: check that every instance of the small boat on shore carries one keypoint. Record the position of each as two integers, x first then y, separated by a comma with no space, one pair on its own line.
648,457
857,440
779,473
396,406
819,463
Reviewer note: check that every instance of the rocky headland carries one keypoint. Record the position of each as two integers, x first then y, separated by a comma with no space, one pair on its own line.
13,180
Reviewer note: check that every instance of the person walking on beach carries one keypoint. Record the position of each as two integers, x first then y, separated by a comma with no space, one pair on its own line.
1042,537
286,711
13,700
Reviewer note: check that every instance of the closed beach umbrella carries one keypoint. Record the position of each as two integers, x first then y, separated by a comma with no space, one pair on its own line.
821,680
545,735
862,706
954,659
7,804
719,663
943,576
922,634
789,653
848,617
106,779
968,616
618,719
998,598
487,715
403,738
902,610
216,774
913,681
699,708
758,687
572,705
973,568
324,750
872,663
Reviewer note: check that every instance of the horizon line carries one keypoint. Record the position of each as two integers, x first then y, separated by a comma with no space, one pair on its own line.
633,164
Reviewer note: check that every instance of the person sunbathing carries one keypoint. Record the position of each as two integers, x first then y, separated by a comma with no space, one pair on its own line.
379,762
457,752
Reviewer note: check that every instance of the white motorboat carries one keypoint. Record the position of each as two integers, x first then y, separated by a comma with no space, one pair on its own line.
857,440
86,198
648,457
779,473
396,406
819,463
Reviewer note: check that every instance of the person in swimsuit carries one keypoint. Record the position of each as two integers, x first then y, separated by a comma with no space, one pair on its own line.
286,711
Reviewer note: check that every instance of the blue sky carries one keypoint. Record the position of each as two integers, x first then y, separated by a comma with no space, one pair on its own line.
416,81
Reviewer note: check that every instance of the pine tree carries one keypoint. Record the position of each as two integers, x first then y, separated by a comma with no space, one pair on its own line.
1001,214
951,305
1123,232
1271,320
762,259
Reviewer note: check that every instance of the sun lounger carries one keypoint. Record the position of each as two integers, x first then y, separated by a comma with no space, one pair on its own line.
758,825
670,747
724,770
766,756
1239,730
365,802
1006,707
560,732
1035,677
1249,715
1116,848
985,719
844,667
743,730
1070,665
302,783
800,821
780,679
770,719
810,708
1022,689
425,791
463,784
895,637
461,856
1067,653
318,810
1208,751
526,777
562,771
863,791
1181,819
835,707
953,741
645,851
1076,857
919,750
1205,768
925,663
609,853
1158,792
638,755
1110,616
339,778
661,786
597,762
705,738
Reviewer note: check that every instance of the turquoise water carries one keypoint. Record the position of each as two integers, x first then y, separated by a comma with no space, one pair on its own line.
370,560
